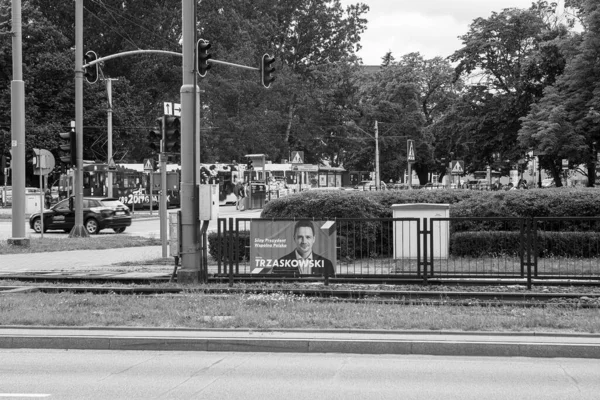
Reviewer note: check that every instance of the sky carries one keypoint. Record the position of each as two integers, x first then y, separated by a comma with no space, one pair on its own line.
430,27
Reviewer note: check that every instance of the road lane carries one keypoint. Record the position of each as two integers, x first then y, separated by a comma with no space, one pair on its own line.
145,225
130,374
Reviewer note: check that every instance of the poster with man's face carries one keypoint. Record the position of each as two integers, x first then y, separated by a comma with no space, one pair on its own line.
293,248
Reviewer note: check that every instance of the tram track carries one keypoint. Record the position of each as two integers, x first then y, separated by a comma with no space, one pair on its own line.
401,297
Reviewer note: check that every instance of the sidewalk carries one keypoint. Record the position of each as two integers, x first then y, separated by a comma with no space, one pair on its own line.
299,341
78,260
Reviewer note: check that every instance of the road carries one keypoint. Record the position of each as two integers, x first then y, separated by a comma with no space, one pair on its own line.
78,374
145,227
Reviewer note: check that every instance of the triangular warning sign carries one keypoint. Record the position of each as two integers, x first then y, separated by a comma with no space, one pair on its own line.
148,165
457,169
297,158
111,164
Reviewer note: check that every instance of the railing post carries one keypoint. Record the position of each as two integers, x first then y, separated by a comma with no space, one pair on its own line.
229,243
219,246
422,250
530,248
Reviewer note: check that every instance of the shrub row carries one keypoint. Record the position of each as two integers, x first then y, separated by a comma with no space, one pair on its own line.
468,238
557,202
218,246
549,244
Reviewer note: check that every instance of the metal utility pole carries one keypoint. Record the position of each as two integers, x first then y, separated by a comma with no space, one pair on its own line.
162,208
190,251
78,229
109,154
17,113
377,179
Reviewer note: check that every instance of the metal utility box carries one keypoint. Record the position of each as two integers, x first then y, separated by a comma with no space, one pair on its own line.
209,202
406,235
258,195
32,203
174,234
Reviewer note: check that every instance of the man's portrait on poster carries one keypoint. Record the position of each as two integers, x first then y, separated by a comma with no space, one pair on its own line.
303,260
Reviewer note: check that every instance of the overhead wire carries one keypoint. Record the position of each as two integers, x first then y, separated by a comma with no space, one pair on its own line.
116,13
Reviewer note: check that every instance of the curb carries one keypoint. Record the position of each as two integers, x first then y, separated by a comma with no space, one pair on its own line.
397,343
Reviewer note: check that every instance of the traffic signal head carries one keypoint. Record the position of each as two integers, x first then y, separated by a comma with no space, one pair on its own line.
90,72
172,136
267,70
67,148
155,135
4,162
249,165
202,48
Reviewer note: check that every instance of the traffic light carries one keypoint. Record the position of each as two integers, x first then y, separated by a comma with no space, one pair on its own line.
4,162
155,136
68,147
249,165
267,70
202,48
90,72
172,136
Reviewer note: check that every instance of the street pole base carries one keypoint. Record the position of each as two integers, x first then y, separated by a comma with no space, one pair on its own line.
78,231
188,276
23,242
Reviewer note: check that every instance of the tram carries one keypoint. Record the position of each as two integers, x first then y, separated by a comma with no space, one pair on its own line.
130,184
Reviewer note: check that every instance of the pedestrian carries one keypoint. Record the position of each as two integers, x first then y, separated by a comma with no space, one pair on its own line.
239,192
208,175
47,198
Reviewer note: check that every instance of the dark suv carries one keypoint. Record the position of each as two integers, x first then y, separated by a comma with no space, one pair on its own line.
98,213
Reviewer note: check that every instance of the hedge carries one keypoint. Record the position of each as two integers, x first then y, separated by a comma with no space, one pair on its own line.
468,238
549,244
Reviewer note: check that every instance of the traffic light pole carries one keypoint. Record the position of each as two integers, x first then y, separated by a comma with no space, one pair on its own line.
17,122
190,251
109,154
78,229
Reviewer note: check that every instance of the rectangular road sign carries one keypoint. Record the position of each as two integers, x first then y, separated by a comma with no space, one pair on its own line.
170,108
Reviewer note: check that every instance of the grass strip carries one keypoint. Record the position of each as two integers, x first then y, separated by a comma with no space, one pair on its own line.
97,242
281,311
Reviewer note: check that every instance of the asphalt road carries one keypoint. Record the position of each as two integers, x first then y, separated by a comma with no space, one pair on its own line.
149,226
90,374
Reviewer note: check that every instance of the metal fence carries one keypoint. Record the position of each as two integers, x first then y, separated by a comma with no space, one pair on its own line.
422,250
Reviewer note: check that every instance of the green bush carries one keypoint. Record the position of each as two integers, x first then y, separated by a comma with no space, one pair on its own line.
569,244
218,246
502,243
488,244
468,237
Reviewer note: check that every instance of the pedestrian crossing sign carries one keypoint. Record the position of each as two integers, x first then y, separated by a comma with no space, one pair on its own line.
297,157
458,167
411,151
148,165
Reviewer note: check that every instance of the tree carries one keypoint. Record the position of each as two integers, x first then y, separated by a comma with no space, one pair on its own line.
510,58
565,122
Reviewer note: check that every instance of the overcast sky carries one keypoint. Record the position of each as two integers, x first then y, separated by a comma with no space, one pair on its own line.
430,27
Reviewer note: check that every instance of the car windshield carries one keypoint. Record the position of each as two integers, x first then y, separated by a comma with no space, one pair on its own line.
63,205
111,203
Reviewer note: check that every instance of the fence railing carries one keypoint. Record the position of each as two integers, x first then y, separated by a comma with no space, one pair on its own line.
528,250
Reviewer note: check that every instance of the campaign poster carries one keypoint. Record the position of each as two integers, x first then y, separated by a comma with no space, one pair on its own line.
293,248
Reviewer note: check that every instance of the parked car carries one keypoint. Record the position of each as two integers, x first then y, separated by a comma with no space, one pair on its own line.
98,213
548,182
369,185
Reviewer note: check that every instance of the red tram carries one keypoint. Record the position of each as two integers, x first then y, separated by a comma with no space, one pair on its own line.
132,186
